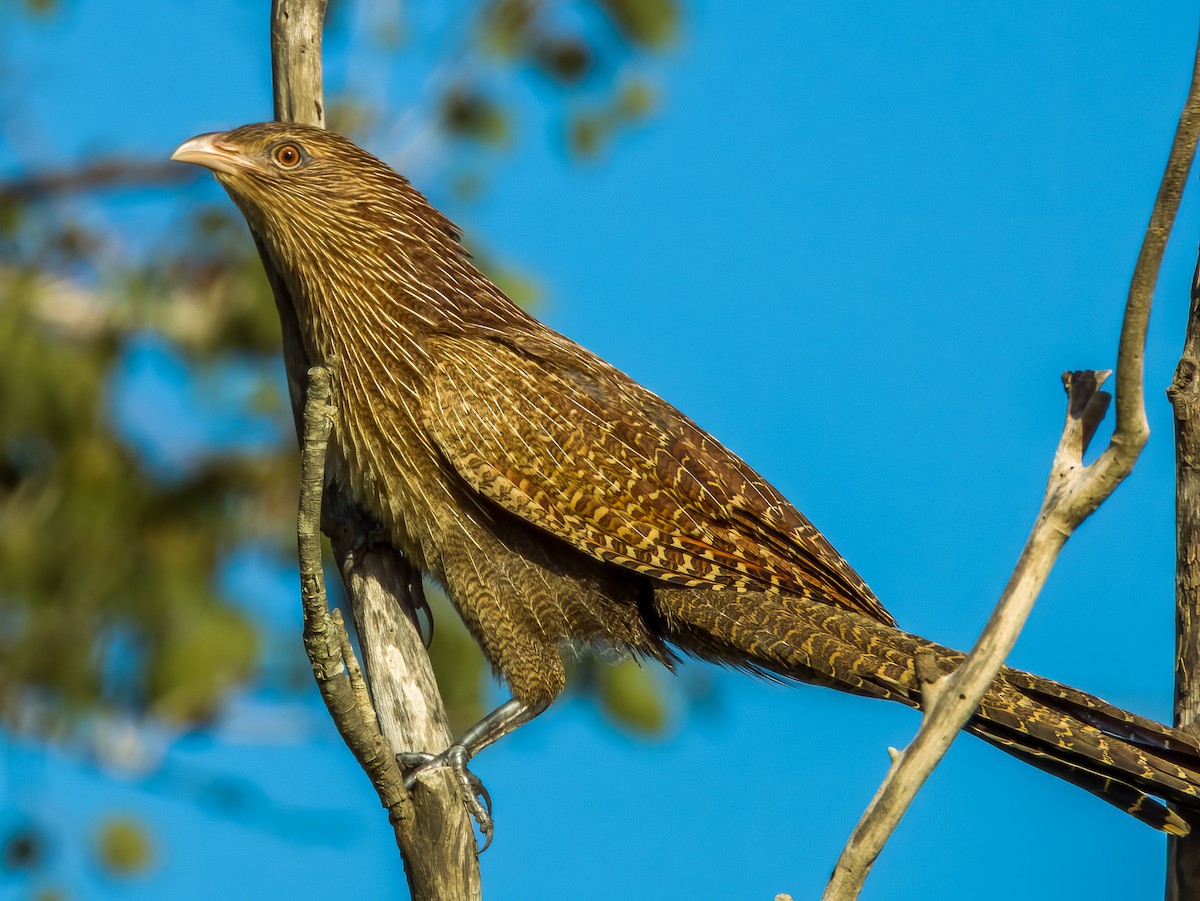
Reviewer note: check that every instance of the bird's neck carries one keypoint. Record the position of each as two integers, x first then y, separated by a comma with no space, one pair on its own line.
368,312
373,302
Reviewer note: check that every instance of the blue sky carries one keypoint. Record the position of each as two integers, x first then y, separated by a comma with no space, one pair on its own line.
859,244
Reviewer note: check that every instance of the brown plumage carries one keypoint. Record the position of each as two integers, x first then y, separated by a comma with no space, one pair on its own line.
559,501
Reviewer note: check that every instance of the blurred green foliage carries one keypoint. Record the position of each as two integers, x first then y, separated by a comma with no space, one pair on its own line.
123,847
111,599
98,558
586,56
648,23
41,7
630,694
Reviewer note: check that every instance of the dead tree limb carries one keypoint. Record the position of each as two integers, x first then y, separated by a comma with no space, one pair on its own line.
1074,491
98,175
1183,854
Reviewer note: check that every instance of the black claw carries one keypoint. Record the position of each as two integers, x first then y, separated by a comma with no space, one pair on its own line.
470,786
488,834
481,791
420,604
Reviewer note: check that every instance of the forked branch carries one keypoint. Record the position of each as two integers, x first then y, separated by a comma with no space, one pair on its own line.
1074,491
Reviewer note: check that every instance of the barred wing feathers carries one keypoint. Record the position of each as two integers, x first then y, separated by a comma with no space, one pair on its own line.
556,436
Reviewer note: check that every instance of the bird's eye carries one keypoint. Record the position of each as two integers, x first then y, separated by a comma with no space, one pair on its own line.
287,156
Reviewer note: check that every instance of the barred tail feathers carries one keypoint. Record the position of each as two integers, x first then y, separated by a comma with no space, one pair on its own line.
1129,761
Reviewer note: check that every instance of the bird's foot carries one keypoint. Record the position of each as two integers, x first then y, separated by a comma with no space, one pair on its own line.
501,721
471,787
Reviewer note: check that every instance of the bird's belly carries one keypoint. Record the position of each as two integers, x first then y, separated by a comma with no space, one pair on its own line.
524,595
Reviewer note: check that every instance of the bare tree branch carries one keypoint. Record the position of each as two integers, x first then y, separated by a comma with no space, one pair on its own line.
96,175
1074,491
297,27
1183,854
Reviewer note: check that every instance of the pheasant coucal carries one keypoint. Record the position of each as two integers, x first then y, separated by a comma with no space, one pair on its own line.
559,501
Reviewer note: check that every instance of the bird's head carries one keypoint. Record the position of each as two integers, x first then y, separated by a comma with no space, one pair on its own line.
314,198
271,167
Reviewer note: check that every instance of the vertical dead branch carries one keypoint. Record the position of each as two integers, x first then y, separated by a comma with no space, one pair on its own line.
438,842
1073,493
335,667
1183,854
297,28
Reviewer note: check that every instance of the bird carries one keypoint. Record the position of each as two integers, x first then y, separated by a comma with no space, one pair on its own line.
561,504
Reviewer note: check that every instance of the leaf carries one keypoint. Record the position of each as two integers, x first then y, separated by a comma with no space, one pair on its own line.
123,847
650,23
586,134
636,100
505,24
566,60
630,695
467,112
42,7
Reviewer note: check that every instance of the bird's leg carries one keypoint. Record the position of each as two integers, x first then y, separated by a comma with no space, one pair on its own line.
506,718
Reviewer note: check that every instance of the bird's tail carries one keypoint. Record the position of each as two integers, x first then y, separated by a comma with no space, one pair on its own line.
1130,761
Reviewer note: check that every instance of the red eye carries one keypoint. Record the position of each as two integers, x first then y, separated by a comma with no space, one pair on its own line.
287,155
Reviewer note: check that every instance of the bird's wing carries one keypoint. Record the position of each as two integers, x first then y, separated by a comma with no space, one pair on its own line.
563,440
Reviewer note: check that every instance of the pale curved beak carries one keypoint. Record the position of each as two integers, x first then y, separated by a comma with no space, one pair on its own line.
208,151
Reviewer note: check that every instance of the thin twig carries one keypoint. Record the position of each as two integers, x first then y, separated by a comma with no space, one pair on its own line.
1074,491
1130,400
97,175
